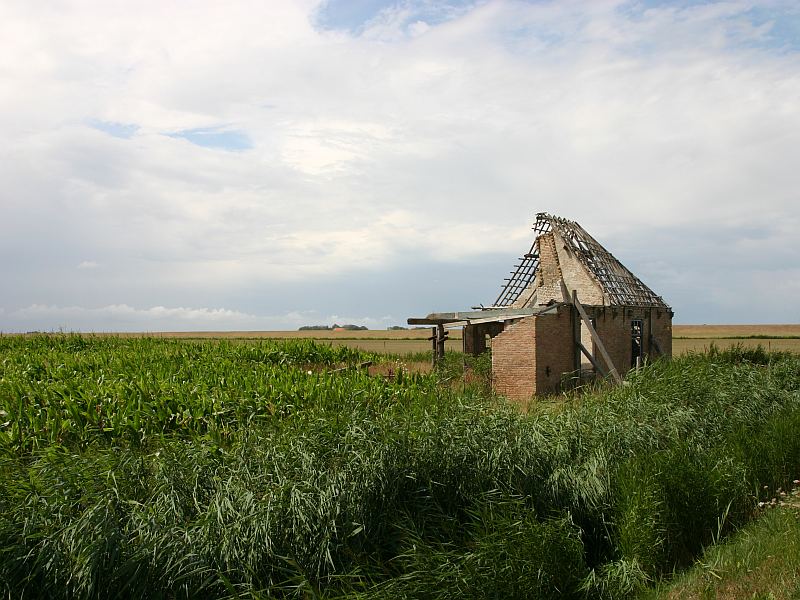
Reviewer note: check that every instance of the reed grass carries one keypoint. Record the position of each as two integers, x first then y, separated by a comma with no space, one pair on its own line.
260,470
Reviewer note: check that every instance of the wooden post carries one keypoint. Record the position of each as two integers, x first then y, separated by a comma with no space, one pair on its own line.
440,337
595,338
434,344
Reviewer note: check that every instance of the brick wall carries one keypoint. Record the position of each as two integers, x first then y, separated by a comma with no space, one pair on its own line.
513,366
576,276
554,350
530,356
615,334
661,329
613,325
548,275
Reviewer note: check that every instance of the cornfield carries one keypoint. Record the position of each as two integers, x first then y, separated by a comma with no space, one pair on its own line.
164,468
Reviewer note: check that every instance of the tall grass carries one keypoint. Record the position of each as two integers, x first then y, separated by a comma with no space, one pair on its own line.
760,562
290,483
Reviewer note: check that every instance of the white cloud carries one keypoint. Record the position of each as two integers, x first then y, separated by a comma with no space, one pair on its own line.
156,312
122,317
427,136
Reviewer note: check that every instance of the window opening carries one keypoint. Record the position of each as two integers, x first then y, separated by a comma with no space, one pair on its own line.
637,349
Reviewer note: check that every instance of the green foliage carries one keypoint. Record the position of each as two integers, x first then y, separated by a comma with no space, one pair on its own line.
75,391
157,468
505,551
471,372
760,561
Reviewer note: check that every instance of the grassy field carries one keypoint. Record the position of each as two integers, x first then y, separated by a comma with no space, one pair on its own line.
153,468
686,338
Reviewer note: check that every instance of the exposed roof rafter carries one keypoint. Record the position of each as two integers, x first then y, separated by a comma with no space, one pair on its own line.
620,285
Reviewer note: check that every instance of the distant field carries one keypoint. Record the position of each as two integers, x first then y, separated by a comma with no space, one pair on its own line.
735,331
686,338
372,334
683,345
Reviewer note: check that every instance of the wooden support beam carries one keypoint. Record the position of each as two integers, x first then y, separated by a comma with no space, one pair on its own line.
564,291
429,321
595,338
593,360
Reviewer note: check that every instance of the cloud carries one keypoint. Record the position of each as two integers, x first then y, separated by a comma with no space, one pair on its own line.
123,317
302,141
88,264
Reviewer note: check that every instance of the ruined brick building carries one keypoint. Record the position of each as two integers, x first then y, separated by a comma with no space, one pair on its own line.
569,311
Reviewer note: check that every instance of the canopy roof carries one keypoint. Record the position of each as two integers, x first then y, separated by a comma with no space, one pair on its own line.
476,317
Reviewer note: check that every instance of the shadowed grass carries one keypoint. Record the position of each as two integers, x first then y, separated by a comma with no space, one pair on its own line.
760,561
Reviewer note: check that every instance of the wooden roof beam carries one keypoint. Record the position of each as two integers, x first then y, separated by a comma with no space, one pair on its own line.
482,316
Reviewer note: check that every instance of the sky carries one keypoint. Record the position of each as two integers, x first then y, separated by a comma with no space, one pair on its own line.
261,165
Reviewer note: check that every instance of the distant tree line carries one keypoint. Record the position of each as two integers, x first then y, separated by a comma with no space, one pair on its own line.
347,327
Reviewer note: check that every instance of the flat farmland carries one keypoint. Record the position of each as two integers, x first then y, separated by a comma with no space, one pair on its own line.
736,331
404,341
686,338
684,345
696,338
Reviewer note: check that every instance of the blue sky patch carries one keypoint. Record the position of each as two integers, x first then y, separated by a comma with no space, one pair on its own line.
118,130
353,15
784,33
349,15
783,20
220,139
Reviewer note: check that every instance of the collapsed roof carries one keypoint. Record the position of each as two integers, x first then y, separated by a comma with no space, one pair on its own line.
618,286
564,264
